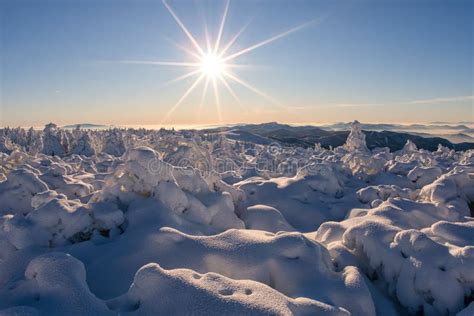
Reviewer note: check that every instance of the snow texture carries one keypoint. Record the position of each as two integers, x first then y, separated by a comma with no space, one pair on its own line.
160,222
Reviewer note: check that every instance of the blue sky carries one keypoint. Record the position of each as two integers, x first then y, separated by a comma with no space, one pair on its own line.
375,61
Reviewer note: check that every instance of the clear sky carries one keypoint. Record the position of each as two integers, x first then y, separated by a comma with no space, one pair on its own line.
375,61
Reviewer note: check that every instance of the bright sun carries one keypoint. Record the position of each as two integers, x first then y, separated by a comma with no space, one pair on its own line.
212,66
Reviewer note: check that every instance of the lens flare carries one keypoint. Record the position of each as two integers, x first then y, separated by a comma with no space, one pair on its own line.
214,63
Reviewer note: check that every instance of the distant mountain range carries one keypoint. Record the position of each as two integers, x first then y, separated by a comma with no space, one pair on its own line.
307,136
393,136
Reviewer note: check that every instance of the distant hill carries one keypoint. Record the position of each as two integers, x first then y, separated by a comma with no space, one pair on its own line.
307,136
86,126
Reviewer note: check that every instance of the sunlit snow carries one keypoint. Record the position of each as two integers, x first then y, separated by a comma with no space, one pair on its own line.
163,222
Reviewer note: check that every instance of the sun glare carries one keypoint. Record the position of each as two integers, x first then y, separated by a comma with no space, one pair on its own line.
212,66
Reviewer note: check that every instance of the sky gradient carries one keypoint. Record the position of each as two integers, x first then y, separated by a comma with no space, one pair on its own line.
375,61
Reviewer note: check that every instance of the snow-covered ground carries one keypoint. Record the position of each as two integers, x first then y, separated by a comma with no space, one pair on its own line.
166,222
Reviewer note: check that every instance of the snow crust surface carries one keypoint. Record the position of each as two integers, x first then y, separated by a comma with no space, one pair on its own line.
164,222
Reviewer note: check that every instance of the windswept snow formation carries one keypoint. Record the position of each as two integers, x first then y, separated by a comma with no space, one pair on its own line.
186,222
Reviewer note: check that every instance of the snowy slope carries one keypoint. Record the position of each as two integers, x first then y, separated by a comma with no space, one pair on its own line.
166,222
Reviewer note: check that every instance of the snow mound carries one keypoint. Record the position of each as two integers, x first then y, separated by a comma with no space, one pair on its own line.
411,247
17,191
424,175
414,266
53,284
452,233
156,291
262,217
59,221
454,189
303,200
288,262
183,190
384,192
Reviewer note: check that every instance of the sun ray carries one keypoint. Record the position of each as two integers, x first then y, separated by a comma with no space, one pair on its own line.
216,95
250,87
215,64
208,38
234,38
240,66
160,63
185,30
232,93
203,97
265,42
184,49
221,27
185,76
183,97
